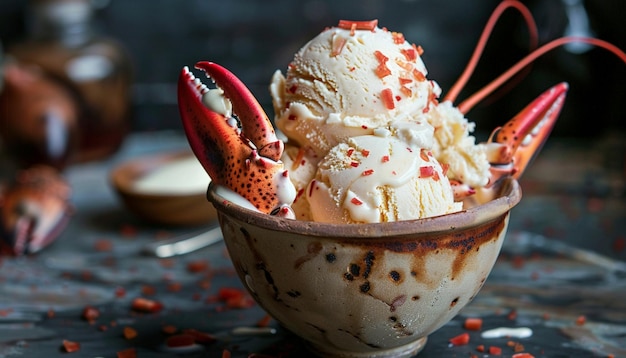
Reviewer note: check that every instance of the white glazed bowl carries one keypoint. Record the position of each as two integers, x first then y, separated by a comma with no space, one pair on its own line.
370,290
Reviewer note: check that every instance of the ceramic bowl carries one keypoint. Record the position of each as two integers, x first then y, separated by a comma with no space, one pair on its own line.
169,208
366,290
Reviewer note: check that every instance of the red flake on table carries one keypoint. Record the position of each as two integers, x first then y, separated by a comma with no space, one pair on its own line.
426,171
70,346
199,336
169,329
339,43
480,348
386,96
103,328
120,292
128,231
264,321
146,305
234,297
473,324
354,164
580,320
410,54
384,159
174,287
512,315
365,153
180,340
358,25
517,347
522,355
356,201
196,266
50,313
148,290
103,245
398,38
90,313
127,353
367,172
129,332
460,340
167,263
496,351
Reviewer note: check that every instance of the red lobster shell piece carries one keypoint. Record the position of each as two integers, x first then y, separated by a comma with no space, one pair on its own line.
34,210
242,155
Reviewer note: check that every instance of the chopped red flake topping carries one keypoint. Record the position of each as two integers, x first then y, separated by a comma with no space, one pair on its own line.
382,70
352,69
358,25
380,57
424,155
473,324
338,45
350,151
410,54
404,81
385,159
444,168
365,153
368,172
292,89
387,97
406,91
398,38
460,340
356,201
418,75
426,171
354,164
436,176
70,346
398,98
364,126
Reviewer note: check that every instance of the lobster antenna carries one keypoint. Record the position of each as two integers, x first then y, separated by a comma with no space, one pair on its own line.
474,99
456,89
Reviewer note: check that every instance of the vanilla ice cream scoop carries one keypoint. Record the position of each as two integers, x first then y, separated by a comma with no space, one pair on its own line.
379,178
346,83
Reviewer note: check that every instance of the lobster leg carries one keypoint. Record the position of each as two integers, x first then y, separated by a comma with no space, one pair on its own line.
520,139
245,160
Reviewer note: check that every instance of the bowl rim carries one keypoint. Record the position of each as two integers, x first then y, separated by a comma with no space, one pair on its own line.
509,195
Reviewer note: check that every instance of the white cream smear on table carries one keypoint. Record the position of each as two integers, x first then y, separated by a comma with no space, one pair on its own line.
521,332
182,176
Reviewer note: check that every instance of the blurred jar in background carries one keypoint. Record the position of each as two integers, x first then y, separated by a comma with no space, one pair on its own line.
38,119
62,43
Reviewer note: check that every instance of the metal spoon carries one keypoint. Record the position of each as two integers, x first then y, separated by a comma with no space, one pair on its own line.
184,244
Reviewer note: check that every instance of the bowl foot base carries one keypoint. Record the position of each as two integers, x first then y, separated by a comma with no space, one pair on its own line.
407,350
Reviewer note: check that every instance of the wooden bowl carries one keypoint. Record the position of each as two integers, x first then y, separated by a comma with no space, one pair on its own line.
162,207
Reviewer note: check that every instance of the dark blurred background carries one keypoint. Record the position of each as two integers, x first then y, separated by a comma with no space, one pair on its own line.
254,38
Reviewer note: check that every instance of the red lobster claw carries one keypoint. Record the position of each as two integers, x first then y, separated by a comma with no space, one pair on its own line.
521,138
240,153
34,210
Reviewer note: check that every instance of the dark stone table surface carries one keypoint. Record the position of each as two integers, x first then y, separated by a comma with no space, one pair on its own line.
562,273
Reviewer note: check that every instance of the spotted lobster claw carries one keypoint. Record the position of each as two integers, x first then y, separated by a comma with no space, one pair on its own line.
240,152
520,139
34,210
